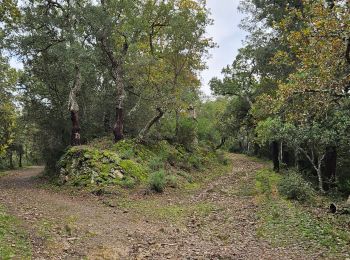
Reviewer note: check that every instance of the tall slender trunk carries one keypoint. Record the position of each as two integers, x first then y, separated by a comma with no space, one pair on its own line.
118,128
275,153
20,160
281,153
330,165
117,75
74,109
177,123
11,160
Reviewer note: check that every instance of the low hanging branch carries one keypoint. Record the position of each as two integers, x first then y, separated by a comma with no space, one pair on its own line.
143,133
74,108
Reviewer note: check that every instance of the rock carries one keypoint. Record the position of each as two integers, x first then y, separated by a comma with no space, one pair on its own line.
117,174
348,202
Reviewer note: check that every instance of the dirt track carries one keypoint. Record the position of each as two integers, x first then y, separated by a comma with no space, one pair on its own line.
220,225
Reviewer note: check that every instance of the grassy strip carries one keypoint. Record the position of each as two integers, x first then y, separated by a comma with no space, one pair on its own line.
286,223
14,243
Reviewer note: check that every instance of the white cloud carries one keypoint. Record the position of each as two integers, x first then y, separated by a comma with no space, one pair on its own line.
226,34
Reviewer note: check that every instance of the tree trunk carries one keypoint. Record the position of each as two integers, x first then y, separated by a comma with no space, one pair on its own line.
275,153
320,180
117,75
177,123
281,153
146,129
330,165
74,109
20,160
75,134
11,160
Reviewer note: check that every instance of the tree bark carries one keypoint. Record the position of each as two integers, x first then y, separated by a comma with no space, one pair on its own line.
117,75
281,153
275,153
11,160
146,129
20,160
74,109
330,165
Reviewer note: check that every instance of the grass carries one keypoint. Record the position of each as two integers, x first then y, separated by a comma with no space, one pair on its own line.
285,223
14,242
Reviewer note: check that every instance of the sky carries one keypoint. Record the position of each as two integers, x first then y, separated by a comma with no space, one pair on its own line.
226,33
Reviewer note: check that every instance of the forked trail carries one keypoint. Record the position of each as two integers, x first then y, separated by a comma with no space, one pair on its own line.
213,222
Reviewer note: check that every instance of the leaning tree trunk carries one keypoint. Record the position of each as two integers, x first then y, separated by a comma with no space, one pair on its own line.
275,155
74,109
146,129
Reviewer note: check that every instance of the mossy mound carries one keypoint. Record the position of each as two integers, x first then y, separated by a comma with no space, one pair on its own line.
128,163
85,165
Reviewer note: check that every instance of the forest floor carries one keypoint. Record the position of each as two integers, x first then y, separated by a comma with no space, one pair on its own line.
213,220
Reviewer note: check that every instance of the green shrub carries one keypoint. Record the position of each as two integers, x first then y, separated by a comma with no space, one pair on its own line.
171,181
294,187
157,181
128,182
186,133
156,163
344,186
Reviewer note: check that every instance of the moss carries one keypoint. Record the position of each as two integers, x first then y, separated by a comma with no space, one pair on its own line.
133,169
127,163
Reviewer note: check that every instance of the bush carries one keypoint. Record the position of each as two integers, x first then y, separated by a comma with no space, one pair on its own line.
294,187
186,133
128,183
157,181
156,163
171,181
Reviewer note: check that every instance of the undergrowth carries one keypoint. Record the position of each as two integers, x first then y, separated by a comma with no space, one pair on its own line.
285,222
14,242
128,164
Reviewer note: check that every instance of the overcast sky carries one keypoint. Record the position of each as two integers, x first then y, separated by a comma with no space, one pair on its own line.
226,34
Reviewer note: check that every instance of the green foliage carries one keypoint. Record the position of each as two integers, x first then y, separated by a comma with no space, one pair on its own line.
128,182
283,223
293,186
14,242
157,181
187,133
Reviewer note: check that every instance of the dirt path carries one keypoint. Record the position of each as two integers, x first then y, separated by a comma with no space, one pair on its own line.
214,222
